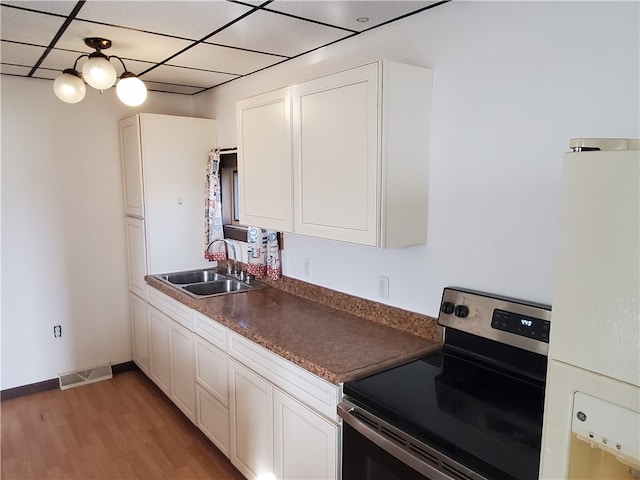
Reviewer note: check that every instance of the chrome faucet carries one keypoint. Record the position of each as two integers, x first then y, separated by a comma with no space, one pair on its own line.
233,250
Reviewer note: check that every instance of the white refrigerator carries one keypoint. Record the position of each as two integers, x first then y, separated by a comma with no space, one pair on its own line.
592,409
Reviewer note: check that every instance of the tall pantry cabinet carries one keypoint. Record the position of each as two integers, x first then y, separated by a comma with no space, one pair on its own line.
164,161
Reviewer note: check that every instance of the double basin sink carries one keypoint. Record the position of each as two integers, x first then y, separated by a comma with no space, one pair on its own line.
207,283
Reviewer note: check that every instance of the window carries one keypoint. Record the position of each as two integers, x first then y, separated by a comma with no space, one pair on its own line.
236,197
230,196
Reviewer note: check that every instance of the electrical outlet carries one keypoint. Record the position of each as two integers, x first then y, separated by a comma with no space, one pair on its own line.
57,330
307,267
383,287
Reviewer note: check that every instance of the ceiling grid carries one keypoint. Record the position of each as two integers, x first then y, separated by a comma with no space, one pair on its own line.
184,47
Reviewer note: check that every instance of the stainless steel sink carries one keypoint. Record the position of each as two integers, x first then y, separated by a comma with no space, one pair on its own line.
207,283
216,288
197,276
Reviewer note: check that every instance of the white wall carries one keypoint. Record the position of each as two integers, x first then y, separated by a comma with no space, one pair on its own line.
63,240
513,82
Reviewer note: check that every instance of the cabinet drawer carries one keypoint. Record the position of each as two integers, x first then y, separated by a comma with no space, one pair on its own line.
308,388
211,370
210,330
176,310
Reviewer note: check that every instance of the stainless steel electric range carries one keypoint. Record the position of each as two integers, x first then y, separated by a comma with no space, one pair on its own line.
471,411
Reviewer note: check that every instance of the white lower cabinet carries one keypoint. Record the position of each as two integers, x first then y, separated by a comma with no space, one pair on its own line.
282,417
183,378
211,370
160,346
251,422
172,360
140,333
212,388
213,419
272,418
305,443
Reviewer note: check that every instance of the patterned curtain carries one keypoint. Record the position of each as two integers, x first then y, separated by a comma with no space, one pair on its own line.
263,253
213,209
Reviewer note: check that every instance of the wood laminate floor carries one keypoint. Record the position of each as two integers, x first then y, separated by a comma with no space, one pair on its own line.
123,428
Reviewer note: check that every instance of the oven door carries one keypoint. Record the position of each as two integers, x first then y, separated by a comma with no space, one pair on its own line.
372,449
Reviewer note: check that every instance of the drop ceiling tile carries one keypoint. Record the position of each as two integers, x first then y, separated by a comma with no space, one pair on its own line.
187,19
47,73
7,69
134,66
58,7
224,59
20,54
126,43
61,59
186,76
29,27
271,32
171,88
345,14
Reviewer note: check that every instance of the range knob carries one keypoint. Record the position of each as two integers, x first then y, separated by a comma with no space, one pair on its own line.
461,311
447,307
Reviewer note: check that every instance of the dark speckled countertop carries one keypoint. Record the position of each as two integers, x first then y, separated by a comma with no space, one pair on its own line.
335,336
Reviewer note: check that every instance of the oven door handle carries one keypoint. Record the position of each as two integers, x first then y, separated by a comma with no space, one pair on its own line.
346,411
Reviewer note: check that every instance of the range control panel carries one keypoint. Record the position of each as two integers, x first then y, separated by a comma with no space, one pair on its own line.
511,321
523,325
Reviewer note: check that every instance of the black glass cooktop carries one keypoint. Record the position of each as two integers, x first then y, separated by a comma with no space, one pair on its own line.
485,418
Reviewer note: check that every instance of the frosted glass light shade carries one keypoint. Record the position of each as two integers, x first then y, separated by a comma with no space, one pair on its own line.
69,87
98,72
131,90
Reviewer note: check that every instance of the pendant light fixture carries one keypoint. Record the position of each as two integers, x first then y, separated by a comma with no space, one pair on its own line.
100,74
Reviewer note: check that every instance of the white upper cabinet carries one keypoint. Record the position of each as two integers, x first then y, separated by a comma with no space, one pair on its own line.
131,157
342,157
360,155
264,160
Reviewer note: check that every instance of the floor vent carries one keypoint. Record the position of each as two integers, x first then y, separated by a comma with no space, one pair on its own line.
84,377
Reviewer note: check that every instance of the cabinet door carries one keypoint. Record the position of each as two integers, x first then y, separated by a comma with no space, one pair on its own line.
212,370
251,410
136,255
183,370
264,160
140,333
335,156
131,161
213,419
175,151
305,443
159,335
